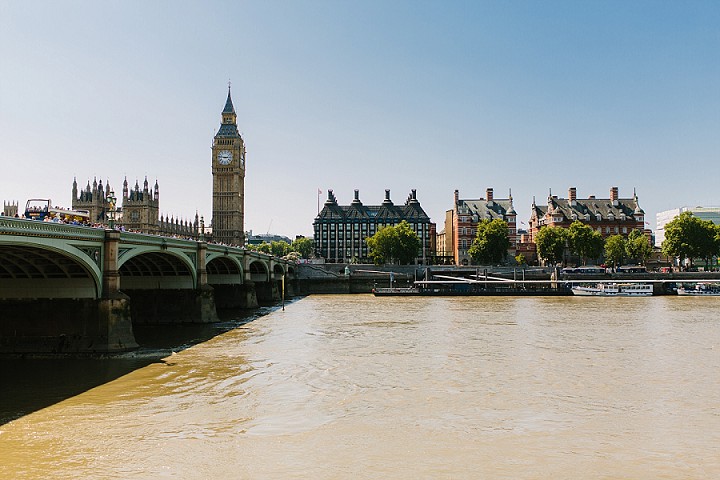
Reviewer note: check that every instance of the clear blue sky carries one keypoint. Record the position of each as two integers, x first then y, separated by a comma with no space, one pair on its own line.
436,96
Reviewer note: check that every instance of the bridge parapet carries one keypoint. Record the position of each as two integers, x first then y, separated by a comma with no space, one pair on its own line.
36,228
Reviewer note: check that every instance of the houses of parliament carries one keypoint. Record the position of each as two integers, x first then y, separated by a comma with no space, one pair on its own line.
140,207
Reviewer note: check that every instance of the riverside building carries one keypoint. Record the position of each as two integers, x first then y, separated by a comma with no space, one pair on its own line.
609,216
340,230
461,224
663,218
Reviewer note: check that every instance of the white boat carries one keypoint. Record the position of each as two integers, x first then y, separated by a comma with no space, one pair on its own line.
700,290
614,290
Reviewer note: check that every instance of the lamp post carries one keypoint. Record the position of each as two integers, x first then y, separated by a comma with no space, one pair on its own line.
111,199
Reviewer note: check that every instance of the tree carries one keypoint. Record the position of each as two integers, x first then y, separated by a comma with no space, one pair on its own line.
394,244
585,241
687,236
520,259
638,247
264,247
550,242
615,249
279,248
491,242
304,246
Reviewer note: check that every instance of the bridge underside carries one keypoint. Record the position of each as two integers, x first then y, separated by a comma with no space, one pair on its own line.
28,272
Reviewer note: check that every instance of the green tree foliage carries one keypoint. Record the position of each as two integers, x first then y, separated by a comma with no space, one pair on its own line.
687,236
263,247
637,247
398,244
615,249
585,241
280,248
550,242
491,242
520,259
304,246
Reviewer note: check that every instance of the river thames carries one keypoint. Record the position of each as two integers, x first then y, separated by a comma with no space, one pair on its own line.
341,386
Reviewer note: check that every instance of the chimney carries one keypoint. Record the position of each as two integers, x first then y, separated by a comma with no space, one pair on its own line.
457,197
572,196
414,194
614,196
357,194
489,194
387,200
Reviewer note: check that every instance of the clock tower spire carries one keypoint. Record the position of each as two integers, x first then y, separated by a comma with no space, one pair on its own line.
228,170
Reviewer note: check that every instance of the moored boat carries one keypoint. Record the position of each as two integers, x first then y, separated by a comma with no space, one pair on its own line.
700,289
614,290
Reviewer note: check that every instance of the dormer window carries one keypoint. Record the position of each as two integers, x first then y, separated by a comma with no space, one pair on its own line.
622,216
598,216
587,217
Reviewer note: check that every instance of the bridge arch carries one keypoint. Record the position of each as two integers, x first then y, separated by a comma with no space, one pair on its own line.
224,270
146,269
278,270
259,271
45,270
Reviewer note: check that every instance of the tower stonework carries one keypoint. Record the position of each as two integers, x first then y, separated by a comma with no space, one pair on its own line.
228,170
93,199
141,207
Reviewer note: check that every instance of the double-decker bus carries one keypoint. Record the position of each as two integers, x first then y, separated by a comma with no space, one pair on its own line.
42,209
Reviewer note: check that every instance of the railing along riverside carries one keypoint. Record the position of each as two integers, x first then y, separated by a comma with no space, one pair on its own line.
9,225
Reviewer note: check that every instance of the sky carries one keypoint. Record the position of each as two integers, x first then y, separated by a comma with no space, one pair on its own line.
529,96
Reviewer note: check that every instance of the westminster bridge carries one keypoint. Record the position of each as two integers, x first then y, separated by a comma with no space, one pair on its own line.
66,288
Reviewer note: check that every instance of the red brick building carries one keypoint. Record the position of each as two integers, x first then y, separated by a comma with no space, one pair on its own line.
609,216
461,223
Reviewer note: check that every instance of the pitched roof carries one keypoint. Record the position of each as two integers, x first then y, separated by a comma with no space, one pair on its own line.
229,108
386,212
590,206
484,209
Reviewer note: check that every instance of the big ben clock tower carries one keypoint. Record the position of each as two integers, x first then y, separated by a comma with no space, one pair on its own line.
228,170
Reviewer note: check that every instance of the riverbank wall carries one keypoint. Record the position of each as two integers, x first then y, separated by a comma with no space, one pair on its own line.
341,278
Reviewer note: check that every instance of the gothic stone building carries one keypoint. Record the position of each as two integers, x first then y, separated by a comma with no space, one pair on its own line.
341,230
609,216
461,223
228,171
93,200
140,208
138,212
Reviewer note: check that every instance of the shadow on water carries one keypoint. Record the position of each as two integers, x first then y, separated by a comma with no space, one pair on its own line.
31,383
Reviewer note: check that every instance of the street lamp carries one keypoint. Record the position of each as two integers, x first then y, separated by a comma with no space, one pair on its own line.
111,199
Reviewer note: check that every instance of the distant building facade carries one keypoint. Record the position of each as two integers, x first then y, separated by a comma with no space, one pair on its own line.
462,220
92,199
141,208
257,239
663,218
609,216
340,230
137,210
10,209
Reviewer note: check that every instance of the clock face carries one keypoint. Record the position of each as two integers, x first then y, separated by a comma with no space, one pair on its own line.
225,157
